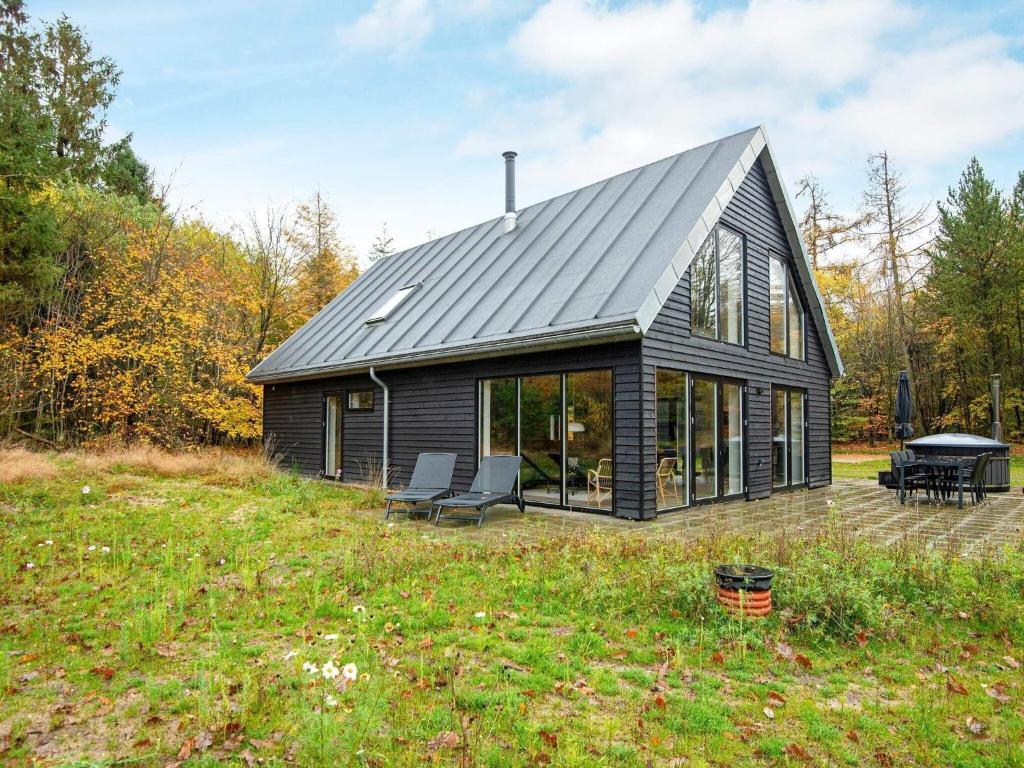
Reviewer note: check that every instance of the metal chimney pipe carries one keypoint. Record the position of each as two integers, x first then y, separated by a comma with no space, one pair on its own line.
511,219
997,423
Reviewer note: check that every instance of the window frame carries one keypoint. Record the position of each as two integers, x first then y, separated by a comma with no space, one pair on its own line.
349,408
805,426
744,336
392,303
787,283
563,374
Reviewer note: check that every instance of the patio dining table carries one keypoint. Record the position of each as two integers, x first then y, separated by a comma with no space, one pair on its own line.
942,470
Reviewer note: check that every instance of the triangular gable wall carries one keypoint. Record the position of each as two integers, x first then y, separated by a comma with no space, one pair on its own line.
759,148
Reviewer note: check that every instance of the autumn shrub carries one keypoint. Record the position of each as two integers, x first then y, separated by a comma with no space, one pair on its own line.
19,464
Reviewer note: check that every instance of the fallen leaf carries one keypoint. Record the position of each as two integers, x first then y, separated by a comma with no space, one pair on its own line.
542,758
186,749
955,686
105,672
776,699
717,658
783,651
802,660
853,736
975,726
795,750
551,739
632,632
998,692
443,740
163,649
884,759
1012,662
426,643
862,638
769,713
659,701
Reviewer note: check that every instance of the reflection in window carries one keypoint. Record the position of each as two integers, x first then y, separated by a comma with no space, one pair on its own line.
703,279
780,451
785,312
732,438
671,471
788,438
716,287
777,306
540,418
705,439
588,438
498,417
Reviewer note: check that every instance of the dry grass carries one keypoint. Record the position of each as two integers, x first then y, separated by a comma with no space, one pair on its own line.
217,463
19,464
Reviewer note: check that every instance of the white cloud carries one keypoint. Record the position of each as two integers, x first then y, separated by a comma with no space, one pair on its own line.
832,80
390,25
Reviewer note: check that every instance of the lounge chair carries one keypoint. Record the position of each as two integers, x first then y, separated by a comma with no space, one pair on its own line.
495,483
431,480
599,482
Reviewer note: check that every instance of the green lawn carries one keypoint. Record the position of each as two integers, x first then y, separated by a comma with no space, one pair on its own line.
868,468
168,614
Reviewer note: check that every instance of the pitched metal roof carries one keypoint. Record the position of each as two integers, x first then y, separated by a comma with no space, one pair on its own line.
589,266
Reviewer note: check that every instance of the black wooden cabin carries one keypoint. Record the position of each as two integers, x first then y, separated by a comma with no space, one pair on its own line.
650,342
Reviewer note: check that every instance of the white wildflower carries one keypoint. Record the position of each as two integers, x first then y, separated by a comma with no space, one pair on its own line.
329,671
86,490
330,701
105,550
221,561
92,547
330,637
29,566
291,654
480,615
359,609
350,672
310,667
49,542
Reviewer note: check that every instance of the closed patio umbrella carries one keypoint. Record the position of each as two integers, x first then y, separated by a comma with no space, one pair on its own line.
904,409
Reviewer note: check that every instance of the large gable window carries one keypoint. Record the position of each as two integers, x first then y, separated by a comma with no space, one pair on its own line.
716,287
785,312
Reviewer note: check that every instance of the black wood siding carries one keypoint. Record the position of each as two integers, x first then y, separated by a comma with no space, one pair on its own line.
668,343
434,408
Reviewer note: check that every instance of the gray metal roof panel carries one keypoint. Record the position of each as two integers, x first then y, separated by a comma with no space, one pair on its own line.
593,258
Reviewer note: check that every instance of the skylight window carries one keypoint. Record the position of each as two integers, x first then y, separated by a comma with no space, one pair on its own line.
389,306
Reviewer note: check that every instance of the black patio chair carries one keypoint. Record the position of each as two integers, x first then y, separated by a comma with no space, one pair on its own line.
914,478
431,480
974,477
495,483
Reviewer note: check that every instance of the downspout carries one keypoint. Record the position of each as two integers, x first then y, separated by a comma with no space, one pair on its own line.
387,414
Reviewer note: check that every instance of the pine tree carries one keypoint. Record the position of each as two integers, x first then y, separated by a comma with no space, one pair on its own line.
382,244
326,265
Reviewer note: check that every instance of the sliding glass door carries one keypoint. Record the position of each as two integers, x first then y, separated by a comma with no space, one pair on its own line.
717,438
588,439
540,417
672,471
561,425
789,455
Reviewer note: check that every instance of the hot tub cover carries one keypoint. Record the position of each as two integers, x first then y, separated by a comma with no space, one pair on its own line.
956,440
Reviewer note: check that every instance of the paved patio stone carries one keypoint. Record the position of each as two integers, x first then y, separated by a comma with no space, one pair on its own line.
864,508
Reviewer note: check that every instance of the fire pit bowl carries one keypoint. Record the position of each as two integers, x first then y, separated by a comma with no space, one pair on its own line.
752,578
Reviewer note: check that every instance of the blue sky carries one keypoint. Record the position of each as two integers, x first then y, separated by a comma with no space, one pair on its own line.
399,109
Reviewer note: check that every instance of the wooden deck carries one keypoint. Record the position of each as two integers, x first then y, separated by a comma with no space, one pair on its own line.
860,505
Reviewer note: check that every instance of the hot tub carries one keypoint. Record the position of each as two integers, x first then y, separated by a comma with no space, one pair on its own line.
997,476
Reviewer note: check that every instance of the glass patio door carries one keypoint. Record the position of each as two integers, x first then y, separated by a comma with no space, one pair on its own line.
789,439
717,438
333,437
540,418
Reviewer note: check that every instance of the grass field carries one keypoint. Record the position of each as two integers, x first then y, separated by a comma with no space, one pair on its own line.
860,462
171,615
